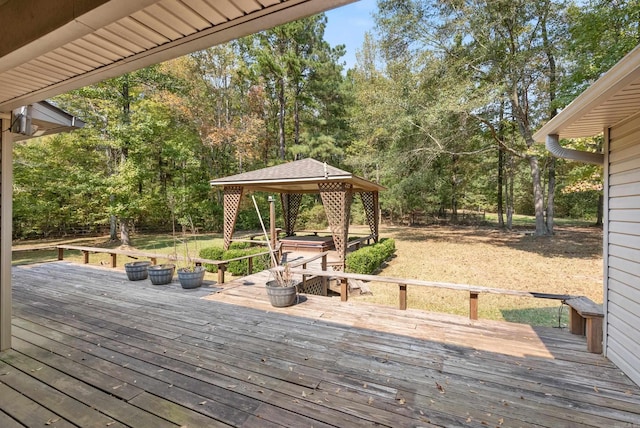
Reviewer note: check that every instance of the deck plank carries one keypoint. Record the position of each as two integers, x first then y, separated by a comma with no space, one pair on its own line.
222,356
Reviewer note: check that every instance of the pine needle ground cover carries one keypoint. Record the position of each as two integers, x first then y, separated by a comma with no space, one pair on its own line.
570,262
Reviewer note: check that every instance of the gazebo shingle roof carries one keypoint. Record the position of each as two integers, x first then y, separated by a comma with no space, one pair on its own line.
300,176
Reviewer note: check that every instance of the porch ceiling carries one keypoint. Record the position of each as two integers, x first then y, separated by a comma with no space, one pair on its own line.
49,47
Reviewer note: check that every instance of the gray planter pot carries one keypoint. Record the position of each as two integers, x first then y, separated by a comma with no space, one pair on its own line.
191,278
281,297
136,271
161,274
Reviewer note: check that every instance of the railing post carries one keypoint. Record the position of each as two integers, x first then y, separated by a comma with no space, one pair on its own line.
344,285
403,296
86,257
250,265
473,305
221,268
114,256
304,277
60,253
324,278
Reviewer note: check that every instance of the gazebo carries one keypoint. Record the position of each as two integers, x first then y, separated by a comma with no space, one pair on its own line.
293,179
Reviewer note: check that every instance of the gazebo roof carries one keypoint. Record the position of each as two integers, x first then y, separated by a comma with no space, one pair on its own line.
300,176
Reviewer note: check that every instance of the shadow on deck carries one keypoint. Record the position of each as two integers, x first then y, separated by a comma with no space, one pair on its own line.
93,349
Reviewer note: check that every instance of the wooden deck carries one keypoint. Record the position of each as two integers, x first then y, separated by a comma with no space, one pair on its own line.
93,349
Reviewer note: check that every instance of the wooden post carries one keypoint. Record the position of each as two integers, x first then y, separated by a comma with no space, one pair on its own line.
221,268
114,256
344,288
60,253
85,253
325,280
304,277
272,222
6,218
403,296
473,305
250,265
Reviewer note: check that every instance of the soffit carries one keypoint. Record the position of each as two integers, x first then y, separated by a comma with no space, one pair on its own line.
119,36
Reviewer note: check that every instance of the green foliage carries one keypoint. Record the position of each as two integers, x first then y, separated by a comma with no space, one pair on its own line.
312,218
368,260
241,267
211,253
236,249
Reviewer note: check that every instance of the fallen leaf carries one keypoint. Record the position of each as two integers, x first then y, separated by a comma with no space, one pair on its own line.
52,421
370,400
469,420
401,401
500,421
111,423
440,388
304,394
595,388
202,403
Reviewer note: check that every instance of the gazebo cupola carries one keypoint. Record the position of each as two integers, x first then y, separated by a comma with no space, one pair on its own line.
293,179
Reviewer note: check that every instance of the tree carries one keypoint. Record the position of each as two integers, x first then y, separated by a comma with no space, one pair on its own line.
489,55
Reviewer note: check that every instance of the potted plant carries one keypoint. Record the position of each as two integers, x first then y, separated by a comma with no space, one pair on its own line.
282,291
161,274
190,275
137,271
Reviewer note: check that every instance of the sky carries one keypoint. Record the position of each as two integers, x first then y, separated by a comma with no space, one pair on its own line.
347,24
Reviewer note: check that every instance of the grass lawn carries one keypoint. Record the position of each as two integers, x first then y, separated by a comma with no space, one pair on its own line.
570,262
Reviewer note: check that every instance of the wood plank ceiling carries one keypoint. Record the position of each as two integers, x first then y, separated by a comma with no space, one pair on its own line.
158,31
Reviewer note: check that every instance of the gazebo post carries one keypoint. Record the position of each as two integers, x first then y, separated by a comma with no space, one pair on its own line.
337,198
232,198
372,210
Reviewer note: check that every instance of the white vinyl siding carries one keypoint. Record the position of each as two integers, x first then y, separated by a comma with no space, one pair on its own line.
623,248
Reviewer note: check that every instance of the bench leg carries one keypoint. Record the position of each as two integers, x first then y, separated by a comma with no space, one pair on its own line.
594,335
576,322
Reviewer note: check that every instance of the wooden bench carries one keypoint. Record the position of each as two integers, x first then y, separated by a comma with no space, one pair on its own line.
585,318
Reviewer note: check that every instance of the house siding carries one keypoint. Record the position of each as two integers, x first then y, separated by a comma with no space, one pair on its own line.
622,248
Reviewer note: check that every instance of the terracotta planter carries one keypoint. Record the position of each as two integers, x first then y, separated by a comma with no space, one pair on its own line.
161,274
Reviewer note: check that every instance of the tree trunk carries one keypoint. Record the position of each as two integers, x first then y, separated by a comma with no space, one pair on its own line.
538,200
125,238
599,221
551,192
500,195
281,122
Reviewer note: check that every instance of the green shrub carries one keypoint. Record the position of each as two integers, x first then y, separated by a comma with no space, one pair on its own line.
237,249
211,253
368,259
241,267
